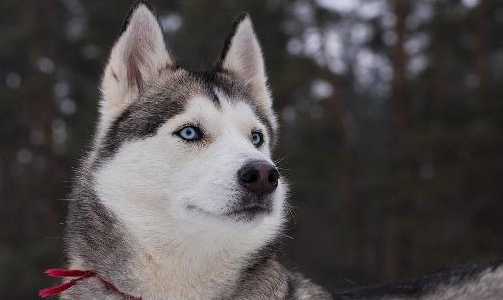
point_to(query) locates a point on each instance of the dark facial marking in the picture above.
(207, 79)
(145, 115)
(234, 88)
(140, 120)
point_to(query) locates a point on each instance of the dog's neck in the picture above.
(174, 271)
(166, 262)
(187, 274)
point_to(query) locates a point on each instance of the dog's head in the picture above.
(184, 150)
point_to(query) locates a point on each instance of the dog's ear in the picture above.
(242, 56)
(138, 56)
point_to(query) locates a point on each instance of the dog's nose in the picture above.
(258, 177)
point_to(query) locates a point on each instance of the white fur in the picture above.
(173, 196)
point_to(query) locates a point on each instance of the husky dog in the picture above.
(179, 197)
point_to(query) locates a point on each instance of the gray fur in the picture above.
(95, 238)
(475, 281)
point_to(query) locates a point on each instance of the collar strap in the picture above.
(78, 275)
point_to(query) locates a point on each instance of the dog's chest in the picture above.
(178, 277)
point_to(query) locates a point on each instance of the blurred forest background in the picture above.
(391, 113)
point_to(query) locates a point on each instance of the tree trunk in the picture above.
(480, 50)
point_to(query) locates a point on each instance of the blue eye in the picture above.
(189, 133)
(257, 138)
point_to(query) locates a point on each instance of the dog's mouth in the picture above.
(248, 213)
(246, 210)
(250, 208)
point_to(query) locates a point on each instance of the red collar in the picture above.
(78, 276)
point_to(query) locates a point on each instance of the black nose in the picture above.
(258, 177)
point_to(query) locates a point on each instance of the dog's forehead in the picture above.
(216, 86)
(181, 85)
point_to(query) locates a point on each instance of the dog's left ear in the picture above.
(137, 58)
(243, 57)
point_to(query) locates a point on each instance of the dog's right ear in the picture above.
(243, 57)
(138, 56)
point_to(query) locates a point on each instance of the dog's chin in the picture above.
(249, 209)
(247, 214)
